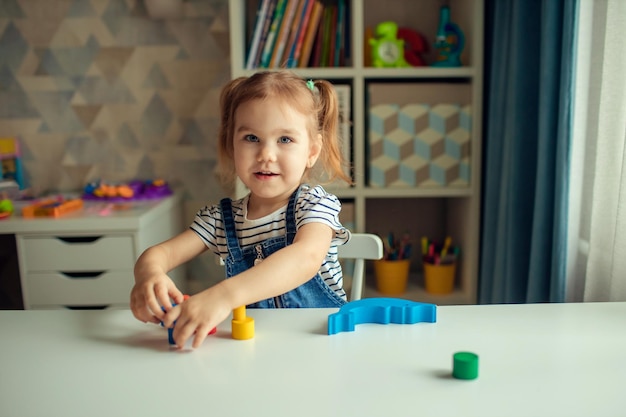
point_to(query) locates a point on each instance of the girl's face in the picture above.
(272, 150)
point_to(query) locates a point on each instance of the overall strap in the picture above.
(231, 231)
(290, 217)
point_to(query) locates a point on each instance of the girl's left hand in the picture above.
(198, 315)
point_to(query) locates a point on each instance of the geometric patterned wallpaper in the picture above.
(97, 89)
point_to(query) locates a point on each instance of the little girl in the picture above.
(279, 243)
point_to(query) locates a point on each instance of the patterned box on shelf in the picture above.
(419, 145)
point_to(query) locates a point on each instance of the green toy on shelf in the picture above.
(387, 49)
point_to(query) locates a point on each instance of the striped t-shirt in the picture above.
(314, 205)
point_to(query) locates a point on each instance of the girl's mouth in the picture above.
(265, 174)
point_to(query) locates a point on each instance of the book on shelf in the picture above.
(304, 55)
(268, 48)
(283, 33)
(347, 37)
(329, 40)
(340, 34)
(297, 32)
(316, 54)
(258, 31)
(367, 49)
(255, 59)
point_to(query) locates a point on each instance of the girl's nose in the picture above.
(267, 153)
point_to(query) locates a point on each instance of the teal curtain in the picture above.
(529, 73)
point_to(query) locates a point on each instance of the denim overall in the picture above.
(312, 294)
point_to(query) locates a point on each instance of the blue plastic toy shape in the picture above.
(381, 311)
(170, 331)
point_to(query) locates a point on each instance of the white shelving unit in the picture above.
(433, 211)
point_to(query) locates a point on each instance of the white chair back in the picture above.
(362, 246)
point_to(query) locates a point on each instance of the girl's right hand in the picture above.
(151, 295)
(154, 290)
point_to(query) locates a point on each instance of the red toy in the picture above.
(415, 45)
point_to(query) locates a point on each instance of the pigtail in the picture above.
(226, 166)
(328, 125)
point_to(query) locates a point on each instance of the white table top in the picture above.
(535, 360)
(90, 218)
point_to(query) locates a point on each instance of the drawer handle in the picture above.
(83, 274)
(101, 307)
(78, 239)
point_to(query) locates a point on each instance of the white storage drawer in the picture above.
(86, 260)
(79, 289)
(78, 253)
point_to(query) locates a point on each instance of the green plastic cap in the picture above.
(465, 365)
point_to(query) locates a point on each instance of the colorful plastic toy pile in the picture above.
(131, 191)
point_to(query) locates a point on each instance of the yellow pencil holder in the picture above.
(392, 276)
(439, 279)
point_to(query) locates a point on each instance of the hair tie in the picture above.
(311, 85)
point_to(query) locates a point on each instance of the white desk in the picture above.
(86, 257)
(535, 360)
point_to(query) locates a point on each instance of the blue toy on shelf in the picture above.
(450, 41)
(11, 162)
(381, 311)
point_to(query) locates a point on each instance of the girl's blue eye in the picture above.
(251, 138)
(284, 139)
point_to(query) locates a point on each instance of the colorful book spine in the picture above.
(314, 40)
(330, 38)
(266, 28)
(321, 51)
(311, 24)
(340, 33)
(297, 27)
(311, 35)
(258, 30)
(284, 33)
(273, 32)
(345, 41)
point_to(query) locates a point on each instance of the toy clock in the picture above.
(387, 49)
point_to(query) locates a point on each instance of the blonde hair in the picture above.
(315, 98)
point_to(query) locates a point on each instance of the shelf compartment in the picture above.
(272, 33)
(424, 16)
(415, 291)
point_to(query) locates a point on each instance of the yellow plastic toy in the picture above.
(242, 326)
